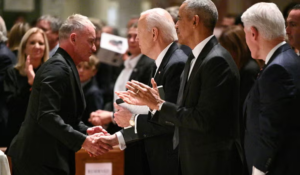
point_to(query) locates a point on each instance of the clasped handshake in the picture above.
(98, 140)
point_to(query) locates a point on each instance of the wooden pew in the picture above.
(115, 157)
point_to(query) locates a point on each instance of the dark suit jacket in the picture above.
(93, 98)
(52, 131)
(207, 114)
(272, 136)
(161, 157)
(7, 59)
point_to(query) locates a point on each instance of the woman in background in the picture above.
(15, 36)
(33, 52)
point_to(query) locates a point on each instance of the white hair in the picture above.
(205, 9)
(3, 31)
(74, 23)
(266, 18)
(156, 18)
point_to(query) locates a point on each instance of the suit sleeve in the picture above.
(146, 128)
(277, 92)
(54, 83)
(217, 83)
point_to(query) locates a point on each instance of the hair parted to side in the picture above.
(73, 23)
(54, 22)
(266, 18)
(205, 9)
(20, 66)
(16, 34)
(155, 18)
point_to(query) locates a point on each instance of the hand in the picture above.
(141, 94)
(96, 129)
(94, 146)
(122, 116)
(100, 117)
(110, 140)
(29, 71)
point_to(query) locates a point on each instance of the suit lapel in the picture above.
(205, 51)
(164, 62)
(137, 69)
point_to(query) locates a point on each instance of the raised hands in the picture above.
(122, 116)
(29, 70)
(141, 94)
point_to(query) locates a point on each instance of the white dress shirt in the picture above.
(256, 171)
(158, 61)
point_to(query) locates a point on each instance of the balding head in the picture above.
(162, 20)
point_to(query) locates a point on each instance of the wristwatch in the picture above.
(132, 120)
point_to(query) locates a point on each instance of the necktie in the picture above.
(180, 95)
(153, 70)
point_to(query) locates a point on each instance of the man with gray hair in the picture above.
(50, 25)
(157, 36)
(53, 131)
(272, 131)
(206, 114)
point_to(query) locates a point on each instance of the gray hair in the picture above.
(3, 31)
(54, 22)
(266, 18)
(155, 18)
(73, 23)
(205, 9)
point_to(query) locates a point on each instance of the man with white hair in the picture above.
(272, 131)
(206, 113)
(157, 36)
(53, 131)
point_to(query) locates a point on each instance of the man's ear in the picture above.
(73, 38)
(254, 33)
(154, 34)
(196, 20)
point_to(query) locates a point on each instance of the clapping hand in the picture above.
(100, 117)
(141, 94)
(29, 71)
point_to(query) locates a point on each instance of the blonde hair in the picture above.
(20, 66)
(15, 35)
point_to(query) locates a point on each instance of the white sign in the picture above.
(98, 169)
(114, 43)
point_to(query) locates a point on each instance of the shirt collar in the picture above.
(52, 52)
(272, 51)
(132, 61)
(161, 56)
(197, 50)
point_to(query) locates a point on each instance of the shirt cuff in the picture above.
(257, 171)
(160, 106)
(122, 144)
(135, 124)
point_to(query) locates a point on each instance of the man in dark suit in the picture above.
(170, 61)
(206, 113)
(53, 131)
(7, 59)
(293, 27)
(272, 133)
